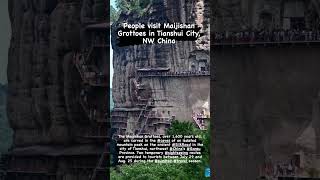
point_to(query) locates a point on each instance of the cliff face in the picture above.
(233, 15)
(44, 34)
(5, 40)
(43, 83)
(3, 94)
(57, 129)
(128, 59)
(5, 131)
(171, 96)
(267, 107)
(266, 97)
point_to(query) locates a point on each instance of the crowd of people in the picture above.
(276, 35)
(274, 170)
(181, 73)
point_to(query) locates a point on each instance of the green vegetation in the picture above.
(114, 14)
(153, 171)
(183, 128)
(149, 171)
(111, 100)
(132, 5)
(125, 6)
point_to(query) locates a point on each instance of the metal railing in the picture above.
(199, 119)
(90, 77)
(174, 74)
(248, 37)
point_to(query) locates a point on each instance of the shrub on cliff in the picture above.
(148, 171)
(132, 5)
(114, 14)
(182, 128)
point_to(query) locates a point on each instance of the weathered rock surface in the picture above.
(44, 86)
(3, 94)
(173, 96)
(5, 131)
(42, 36)
(266, 98)
(43, 82)
(264, 108)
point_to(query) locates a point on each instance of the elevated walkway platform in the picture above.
(98, 26)
(174, 74)
(266, 43)
(88, 76)
(287, 178)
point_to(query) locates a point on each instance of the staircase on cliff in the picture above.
(93, 77)
(199, 121)
(102, 164)
(147, 119)
(144, 116)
